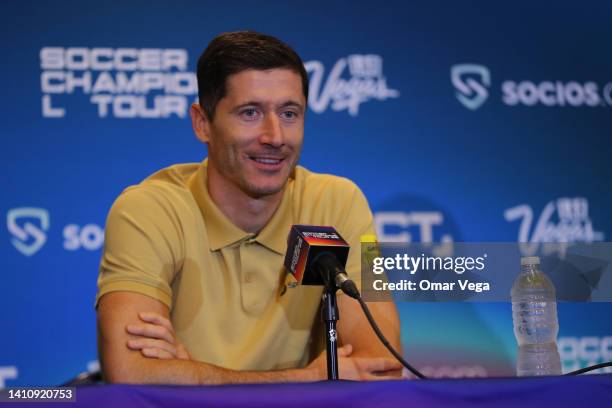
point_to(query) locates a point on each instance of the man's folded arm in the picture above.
(120, 364)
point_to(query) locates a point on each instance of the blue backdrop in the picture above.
(467, 122)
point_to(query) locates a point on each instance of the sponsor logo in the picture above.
(366, 82)
(549, 93)
(28, 225)
(7, 373)
(119, 82)
(564, 220)
(323, 235)
(471, 82)
(89, 237)
(580, 352)
(153, 83)
(407, 225)
(415, 226)
(407, 218)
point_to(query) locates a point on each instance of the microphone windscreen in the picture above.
(304, 243)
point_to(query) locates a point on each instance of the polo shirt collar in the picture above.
(222, 232)
(274, 233)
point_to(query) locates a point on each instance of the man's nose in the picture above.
(272, 131)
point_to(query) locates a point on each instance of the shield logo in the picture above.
(24, 233)
(471, 82)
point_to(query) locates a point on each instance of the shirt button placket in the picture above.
(250, 295)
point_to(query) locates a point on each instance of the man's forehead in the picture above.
(271, 85)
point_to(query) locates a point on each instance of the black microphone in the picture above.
(328, 266)
(317, 255)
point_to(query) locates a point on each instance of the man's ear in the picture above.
(200, 123)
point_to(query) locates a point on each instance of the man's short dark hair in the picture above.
(231, 53)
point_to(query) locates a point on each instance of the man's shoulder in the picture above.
(325, 199)
(165, 188)
(171, 178)
(176, 175)
(315, 193)
(323, 182)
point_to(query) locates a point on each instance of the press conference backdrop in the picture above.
(462, 121)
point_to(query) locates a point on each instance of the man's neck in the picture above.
(248, 213)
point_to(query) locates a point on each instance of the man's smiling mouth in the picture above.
(266, 160)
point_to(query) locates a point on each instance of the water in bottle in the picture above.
(534, 312)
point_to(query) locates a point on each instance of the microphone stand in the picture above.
(330, 314)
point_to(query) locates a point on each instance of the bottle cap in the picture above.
(530, 260)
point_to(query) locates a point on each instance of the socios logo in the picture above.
(28, 225)
(555, 93)
(471, 82)
(366, 82)
(89, 237)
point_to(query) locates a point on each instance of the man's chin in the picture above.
(264, 189)
(259, 185)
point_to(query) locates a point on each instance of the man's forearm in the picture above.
(152, 371)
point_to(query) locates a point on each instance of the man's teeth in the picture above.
(267, 161)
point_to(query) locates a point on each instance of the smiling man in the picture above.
(192, 288)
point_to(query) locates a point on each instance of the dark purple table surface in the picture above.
(580, 391)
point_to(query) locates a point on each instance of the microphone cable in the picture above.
(385, 342)
(350, 289)
(590, 368)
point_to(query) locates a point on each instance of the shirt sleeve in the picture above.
(143, 245)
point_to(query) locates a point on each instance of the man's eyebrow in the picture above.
(259, 104)
(247, 103)
(291, 103)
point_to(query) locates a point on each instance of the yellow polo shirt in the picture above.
(227, 289)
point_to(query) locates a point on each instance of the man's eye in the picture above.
(289, 115)
(249, 114)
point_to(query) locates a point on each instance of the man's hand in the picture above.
(157, 338)
(358, 368)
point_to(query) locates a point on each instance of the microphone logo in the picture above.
(332, 335)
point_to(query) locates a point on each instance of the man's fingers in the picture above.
(139, 344)
(151, 331)
(397, 374)
(371, 365)
(155, 318)
(372, 377)
(156, 353)
(345, 350)
(182, 353)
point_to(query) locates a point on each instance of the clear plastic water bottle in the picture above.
(534, 312)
